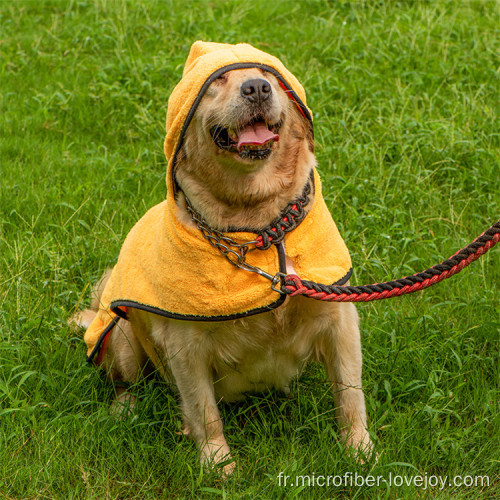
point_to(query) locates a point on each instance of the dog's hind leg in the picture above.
(124, 359)
(124, 362)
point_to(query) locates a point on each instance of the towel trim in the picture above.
(101, 342)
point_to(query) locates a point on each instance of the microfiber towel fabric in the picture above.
(169, 269)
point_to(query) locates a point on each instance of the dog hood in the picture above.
(205, 63)
(169, 269)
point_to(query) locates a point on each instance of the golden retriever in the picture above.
(234, 183)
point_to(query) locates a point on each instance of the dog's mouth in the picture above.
(252, 141)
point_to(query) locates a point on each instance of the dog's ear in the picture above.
(308, 130)
(302, 127)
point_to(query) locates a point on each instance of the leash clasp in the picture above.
(234, 252)
(273, 279)
(276, 279)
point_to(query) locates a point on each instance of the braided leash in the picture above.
(293, 285)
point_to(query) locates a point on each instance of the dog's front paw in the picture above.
(358, 444)
(215, 454)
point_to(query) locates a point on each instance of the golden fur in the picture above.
(211, 361)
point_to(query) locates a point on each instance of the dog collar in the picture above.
(290, 217)
(273, 234)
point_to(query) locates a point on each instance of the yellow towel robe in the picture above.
(169, 269)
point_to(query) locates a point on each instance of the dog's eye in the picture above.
(221, 78)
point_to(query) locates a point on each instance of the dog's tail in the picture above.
(85, 317)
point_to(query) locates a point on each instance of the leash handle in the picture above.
(294, 286)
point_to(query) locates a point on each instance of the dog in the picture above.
(246, 153)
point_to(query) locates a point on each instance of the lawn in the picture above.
(405, 98)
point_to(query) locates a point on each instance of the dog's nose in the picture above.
(256, 90)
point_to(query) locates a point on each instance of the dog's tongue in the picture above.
(256, 134)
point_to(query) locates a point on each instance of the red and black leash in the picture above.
(293, 285)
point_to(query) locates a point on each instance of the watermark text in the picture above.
(351, 479)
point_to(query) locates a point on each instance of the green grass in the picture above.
(406, 103)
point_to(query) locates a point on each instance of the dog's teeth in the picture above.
(257, 147)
